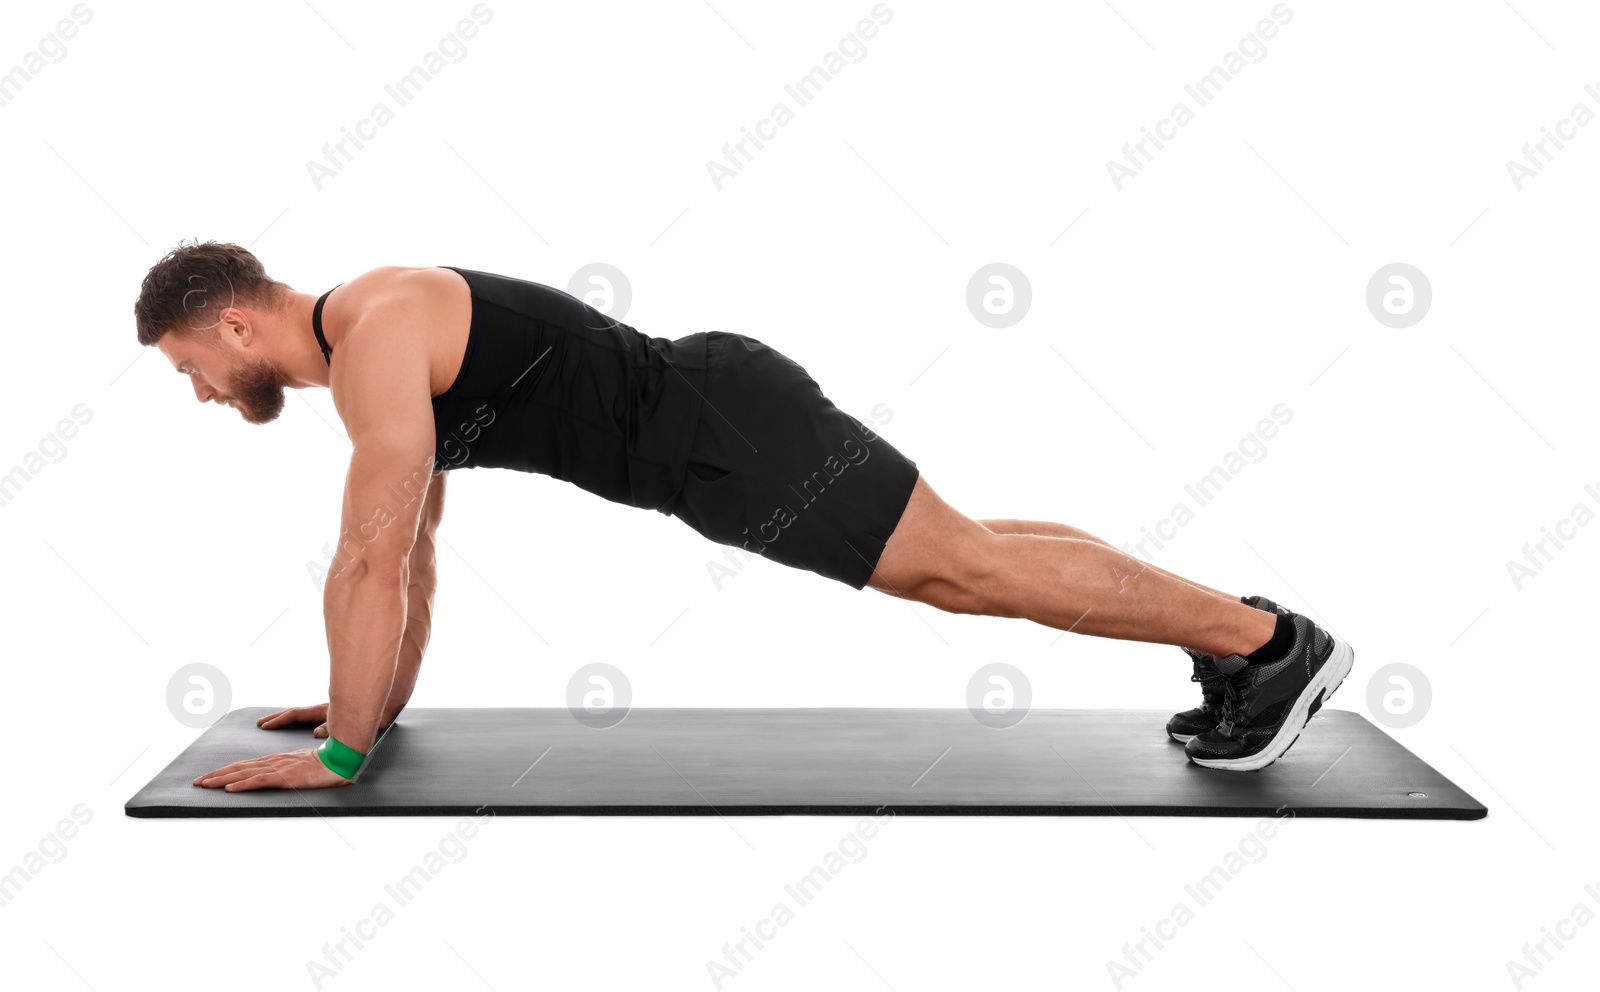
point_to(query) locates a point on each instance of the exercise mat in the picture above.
(709, 762)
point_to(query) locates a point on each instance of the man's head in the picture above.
(212, 309)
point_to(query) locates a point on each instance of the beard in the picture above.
(256, 391)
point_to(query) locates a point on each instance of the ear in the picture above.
(233, 325)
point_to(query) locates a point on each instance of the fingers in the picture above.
(272, 721)
(264, 780)
(321, 731)
(235, 772)
(241, 770)
(292, 715)
(223, 776)
(225, 770)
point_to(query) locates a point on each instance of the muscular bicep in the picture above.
(381, 388)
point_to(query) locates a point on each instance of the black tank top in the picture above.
(549, 384)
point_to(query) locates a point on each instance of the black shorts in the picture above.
(777, 469)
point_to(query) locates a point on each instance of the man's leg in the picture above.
(941, 557)
(1044, 528)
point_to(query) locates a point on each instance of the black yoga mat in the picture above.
(693, 762)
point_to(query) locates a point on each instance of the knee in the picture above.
(952, 597)
(964, 582)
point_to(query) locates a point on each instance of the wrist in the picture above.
(344, 760)
(340, 758)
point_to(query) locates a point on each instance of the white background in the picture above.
(1226, 278)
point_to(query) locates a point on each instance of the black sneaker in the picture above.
(1202, 718)
(1265, 705)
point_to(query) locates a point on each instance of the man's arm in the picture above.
(419, 601)
(382, 392)
(419, 624)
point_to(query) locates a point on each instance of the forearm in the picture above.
(364, 607)
(419, 626)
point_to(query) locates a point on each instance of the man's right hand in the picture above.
(317, 714)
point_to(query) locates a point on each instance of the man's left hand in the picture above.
(291, 770)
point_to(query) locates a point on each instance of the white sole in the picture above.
(1182, 738)
(1326, 682)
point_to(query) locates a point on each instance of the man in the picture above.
(440, 368)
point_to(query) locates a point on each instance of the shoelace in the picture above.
(1209, 678)
(1235, 690)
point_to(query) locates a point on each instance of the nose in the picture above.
(202, 392)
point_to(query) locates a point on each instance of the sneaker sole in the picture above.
(1181, 738)
(1319, 690)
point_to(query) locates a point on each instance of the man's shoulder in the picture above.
(388, 283)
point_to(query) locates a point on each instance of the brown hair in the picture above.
(186, 290)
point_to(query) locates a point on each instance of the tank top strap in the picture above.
(316, 325)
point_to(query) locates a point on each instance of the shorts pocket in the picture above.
(707, 473)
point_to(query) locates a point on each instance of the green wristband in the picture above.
(340, 758)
